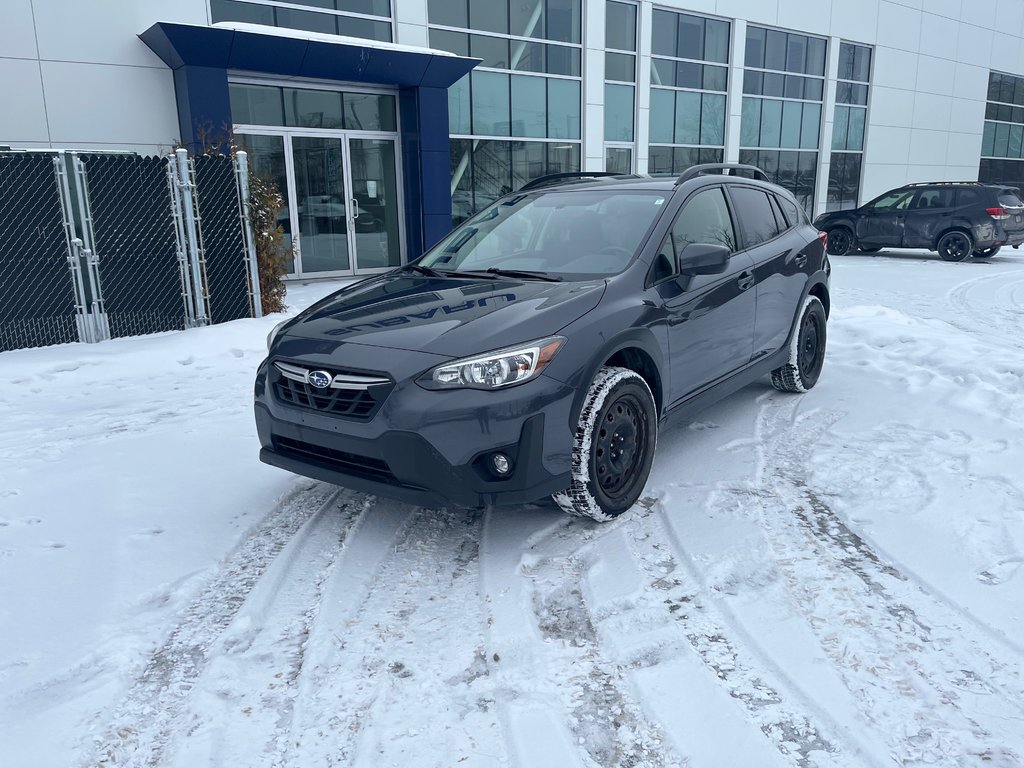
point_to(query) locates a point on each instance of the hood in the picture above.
(446, 316)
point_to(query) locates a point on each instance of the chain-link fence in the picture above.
(94, 246)
(37, 288)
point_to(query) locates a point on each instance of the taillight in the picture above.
(997, 213)
(823, 239)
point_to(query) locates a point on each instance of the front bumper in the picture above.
(429, 447)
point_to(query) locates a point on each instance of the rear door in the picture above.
(710, 318)
(880, 222)
(929, 213)
(780, 262)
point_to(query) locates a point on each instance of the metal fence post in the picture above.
(95, 313)
(242, 168)
(191, 236)
(181, 247)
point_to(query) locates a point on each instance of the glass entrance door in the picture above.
(321, 204)
(342, 209)
(376, 213)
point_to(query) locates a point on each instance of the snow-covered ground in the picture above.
(833, 579)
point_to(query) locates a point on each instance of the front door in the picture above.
(342, 212)
(880, 222)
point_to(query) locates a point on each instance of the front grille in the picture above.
(350, 463)
(360, 401)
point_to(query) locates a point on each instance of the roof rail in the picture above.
(554, 178)
(705, 168)
(958, 183)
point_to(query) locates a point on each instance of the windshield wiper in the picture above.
(524, 273)
(420, 270)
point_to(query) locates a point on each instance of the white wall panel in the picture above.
(938, 35)
(899, 26)
(894, 67)
(935, 75)
(966, 116)
(888, 145)
(964, 148)
(970, 82)
(806, 15)
(755, 11)
(893, 107)
(1010, 16)
(1006, 52)
(948, 8)
(17, 33)
(931, 111)
(23, 117)
(857, 22)
(411, 34)
(928, 147)
(104, 104)
(974, 45)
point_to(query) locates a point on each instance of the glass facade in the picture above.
(620, 69)
(370, 19)
(848, 127)
(689, 82)
(518, 115)
(783, 91)
(1002, 145)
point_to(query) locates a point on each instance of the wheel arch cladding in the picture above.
(819, 290)
(637, 359)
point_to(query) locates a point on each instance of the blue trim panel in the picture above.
(200, 57)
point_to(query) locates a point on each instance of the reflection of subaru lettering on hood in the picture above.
(440, 315)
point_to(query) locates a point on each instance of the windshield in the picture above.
(578, 234)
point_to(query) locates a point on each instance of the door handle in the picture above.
(355, 208)
(746, 280)
(801, 260)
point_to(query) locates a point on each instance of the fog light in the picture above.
(501, 464)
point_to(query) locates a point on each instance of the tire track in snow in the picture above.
(145, 721)
(804, 735)
(400, 631)
(998, 319)
(906, 655)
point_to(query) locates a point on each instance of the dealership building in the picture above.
(383, 121)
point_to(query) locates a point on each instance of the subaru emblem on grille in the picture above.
(319, 379)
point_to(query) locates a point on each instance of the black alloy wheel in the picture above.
(840, 241)
(955, 246)
(986, 253)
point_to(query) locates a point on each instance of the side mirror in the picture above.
(703, 259)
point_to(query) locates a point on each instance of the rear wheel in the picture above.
(955, 246)
(806, 351)
(869, 248)
(840, 241)
(613, 448)
(986, 253)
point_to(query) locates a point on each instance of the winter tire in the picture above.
(986, 253)
(955, 246)
(806, 350)
(613, 448)
(840, 241)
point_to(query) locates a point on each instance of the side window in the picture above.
(967, 196)
(894, 201)
(780, 217)
(791, 209)
(704, 219)
(934, 198)
(756, 218)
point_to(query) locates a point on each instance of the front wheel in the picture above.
(613, 448)
(986, 253)
(806, 351)
(955, 246)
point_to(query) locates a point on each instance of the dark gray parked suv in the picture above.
(540, 346)
(957, 219)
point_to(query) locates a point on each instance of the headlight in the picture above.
(273, 333)
(494, 369)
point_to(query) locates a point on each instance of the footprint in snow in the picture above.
(1002, 571)
(187, 361)
(237, 353)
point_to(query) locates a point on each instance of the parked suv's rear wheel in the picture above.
(986, 253)
(840, 241)
(955, 246)
(613, 447)
(806, 350)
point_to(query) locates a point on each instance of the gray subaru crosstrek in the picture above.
(538, 348)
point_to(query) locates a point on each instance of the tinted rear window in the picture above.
(1010, 200)
(756, 219)
(793, 211)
